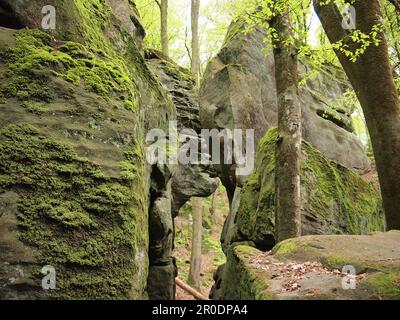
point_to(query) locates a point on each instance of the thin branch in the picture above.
(197, 295)
(186, 46)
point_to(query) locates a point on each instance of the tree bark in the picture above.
(372, 79)
(164, 27)
(195, 260)
(213, 207)
(288, 147)
(195, 62)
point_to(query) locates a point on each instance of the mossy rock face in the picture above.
(237, 281)
(312, 267)
(335, 200)
(180, 83)
(73, 115)
(74, 17)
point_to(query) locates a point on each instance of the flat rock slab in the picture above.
(317, 267)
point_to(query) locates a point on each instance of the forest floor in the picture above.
(212, 255)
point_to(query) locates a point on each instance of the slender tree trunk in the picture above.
(213, 207)
(372, 79)
(195, 260)
(288, 147)
(195, 65)
(164, 27)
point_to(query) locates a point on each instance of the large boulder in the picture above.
(238, 91)
(315, 267)
(188, 180)
(335, 200)
(73, 176)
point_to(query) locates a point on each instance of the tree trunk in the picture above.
(372, 79)
(195, 65)
(213, 207)
(195, 260)
(164, 27)
(288, 147)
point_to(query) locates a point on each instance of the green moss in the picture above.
(129, 105)
(241, 281)
(245, 250)
(235, 28)
(338, 262)
(73, 217)
(34, 107)
(76, 50)
(87, 220)
(284, 247)
(359, 203)
(256, 215)
(72, 214)
(95, 17)
(386, 284)
(210, 244)
(73, 61)
(335, 196)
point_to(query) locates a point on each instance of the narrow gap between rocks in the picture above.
(215, 210)
(7, 20)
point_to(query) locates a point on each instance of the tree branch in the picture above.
(190, 290)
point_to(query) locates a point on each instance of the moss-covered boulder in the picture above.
(73, 177)
(74, 18)
(315, 267)
(335, 200)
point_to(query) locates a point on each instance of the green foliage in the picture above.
(73, 61)
(211, 244)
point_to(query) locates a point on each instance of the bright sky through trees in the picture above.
(215, 18)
